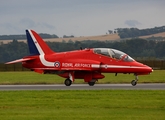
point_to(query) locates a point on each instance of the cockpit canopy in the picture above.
(112, 53)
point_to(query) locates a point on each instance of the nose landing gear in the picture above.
(134, 82)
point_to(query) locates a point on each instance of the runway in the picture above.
(153, 86)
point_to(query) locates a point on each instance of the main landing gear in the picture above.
(92, 82)
(134, 82)
(67, 82)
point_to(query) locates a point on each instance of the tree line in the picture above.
(135, 32)
(136, 48)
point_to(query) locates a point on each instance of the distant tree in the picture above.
(110, 31)
(68, 36)
(115, 32)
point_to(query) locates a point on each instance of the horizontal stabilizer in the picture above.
(20, 60)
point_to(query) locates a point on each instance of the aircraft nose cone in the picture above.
(144, 69)
(149, 69)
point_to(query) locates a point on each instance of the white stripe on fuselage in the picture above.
(95, 66)
(113, 66)
(119, 66)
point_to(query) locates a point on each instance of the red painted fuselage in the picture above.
(87, 64)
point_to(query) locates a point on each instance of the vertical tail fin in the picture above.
(36, 44)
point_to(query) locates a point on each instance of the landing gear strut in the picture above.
(134, 82)
(68, 82)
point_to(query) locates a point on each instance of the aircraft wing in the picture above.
(77, 69)
(44, 70)
(20, 60)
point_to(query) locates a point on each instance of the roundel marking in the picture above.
(57, 64)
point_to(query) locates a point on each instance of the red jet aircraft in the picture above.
(87, 64)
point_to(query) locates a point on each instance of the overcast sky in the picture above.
(79, 17)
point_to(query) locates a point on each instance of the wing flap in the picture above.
(77, 69)
(41, 70)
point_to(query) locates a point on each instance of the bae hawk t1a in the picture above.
(87, 64)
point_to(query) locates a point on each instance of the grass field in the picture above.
(83, 104)
(157, 76)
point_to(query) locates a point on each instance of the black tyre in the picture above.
(68, 82)
(133, 82)
(91, 83)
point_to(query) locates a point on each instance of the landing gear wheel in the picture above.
(91, 83)
(68, 82)
(133, 82)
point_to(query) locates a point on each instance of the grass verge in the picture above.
(83, 104)
(158, 76)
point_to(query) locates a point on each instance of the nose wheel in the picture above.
(134, 82)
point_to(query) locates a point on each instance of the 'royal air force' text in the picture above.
(76, 65)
